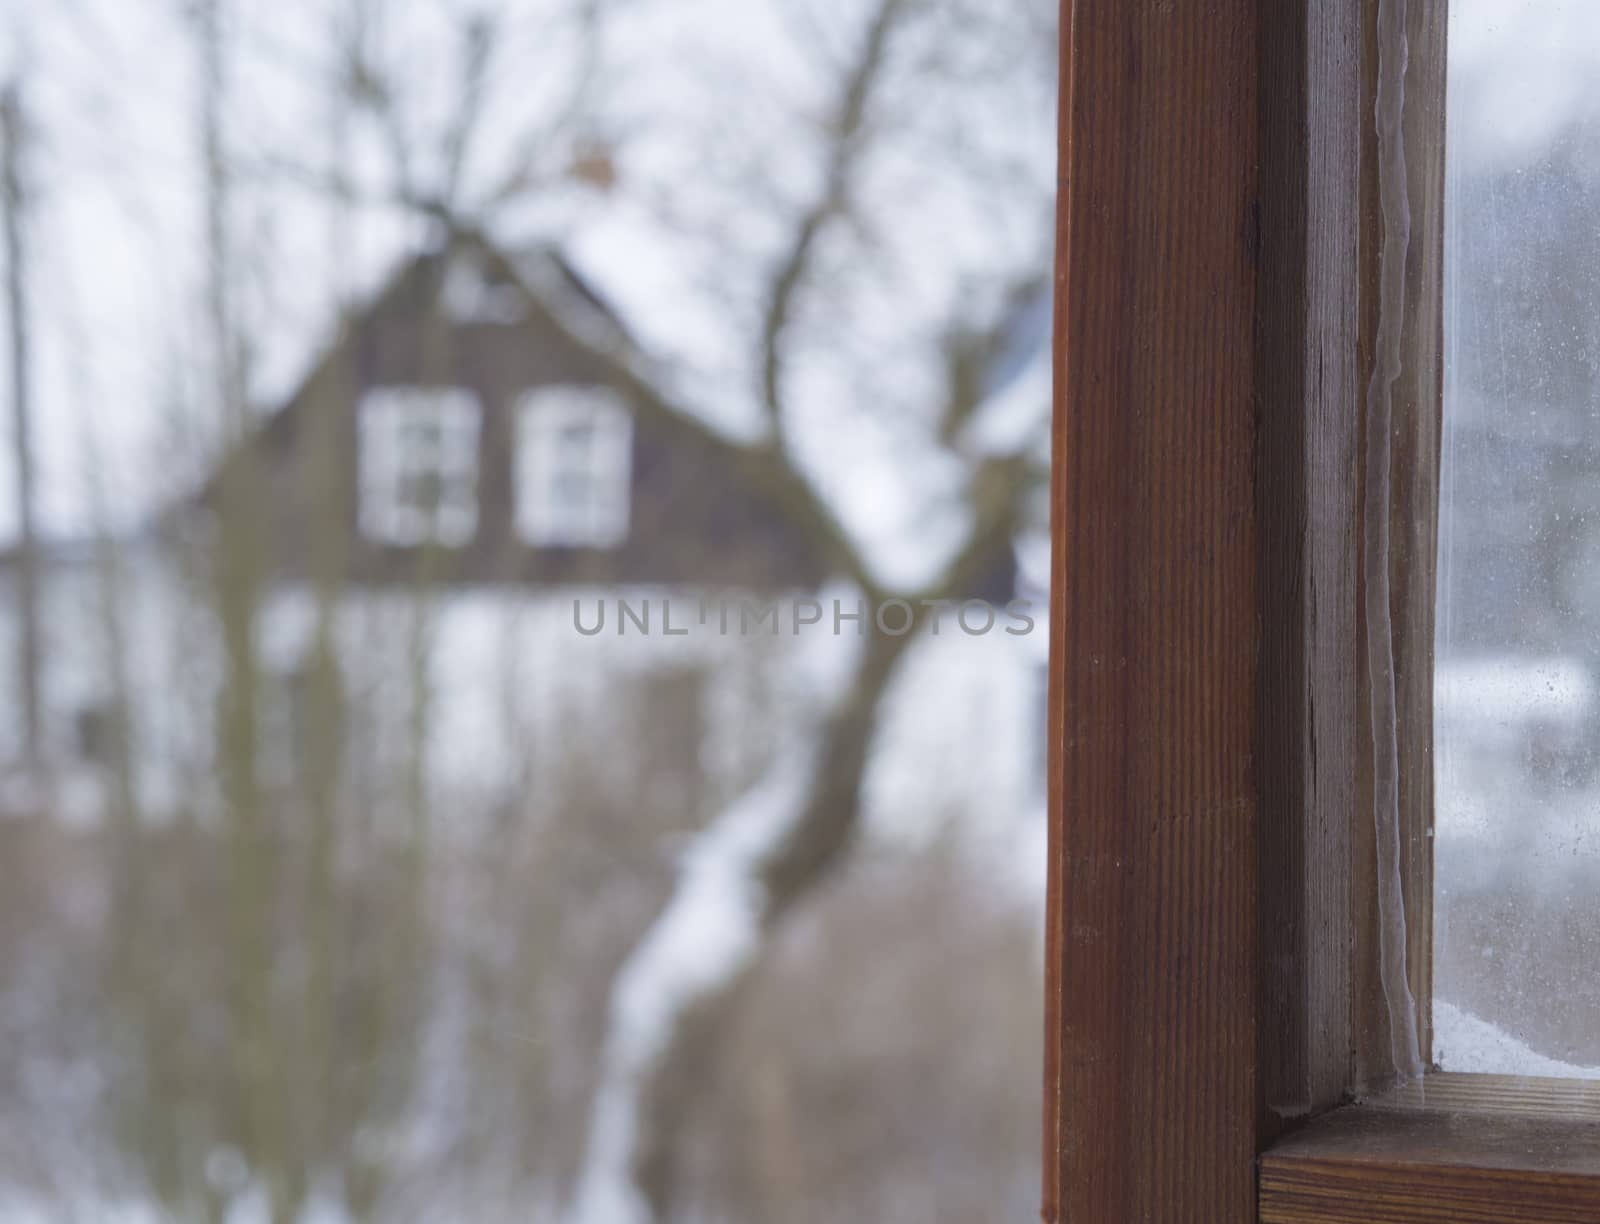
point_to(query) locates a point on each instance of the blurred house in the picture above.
(453, 486)
(449, 427)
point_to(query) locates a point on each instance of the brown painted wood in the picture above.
(1155, 697)
(1391, 1166)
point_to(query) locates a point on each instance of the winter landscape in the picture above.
(522, 603)
(360, 354)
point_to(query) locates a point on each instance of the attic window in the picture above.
(470, 295)
(419, 466)
(574, 467)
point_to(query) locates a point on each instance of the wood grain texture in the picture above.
(1212, 916)
(1152, 937)
(1413, 533)
(1311, 393)
(1387, 1166)
(1500, 1095)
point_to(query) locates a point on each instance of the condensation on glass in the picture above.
(1517, 690)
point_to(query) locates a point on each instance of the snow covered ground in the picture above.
(1462, 1042)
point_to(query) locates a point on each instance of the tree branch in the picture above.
(477, 45)
(832, 201)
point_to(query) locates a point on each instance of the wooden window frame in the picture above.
(1213, 993)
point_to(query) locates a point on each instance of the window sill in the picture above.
(1453, 1149)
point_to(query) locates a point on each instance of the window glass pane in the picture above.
(419, 465)
(1517, 705)
(574, 467)
(473, 746)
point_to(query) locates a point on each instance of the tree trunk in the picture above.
(737, 881)
(13, 121)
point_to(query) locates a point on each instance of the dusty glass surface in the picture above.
(1517, 698)
(511, 701)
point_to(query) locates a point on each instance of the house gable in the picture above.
(447, 331)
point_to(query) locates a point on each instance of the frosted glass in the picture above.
(1517, 687)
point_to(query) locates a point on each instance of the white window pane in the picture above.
(574, 467)
(419, 465)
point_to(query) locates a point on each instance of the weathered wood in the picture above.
(1311, 391)
(1413, 531)
(1153, 994)
(1324, 1017)
(1391, 1166)
(1504, 1095)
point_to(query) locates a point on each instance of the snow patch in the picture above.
(1462, 1042)
(708, 934)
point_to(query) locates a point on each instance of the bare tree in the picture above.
(769, 850)
(289, 1043)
